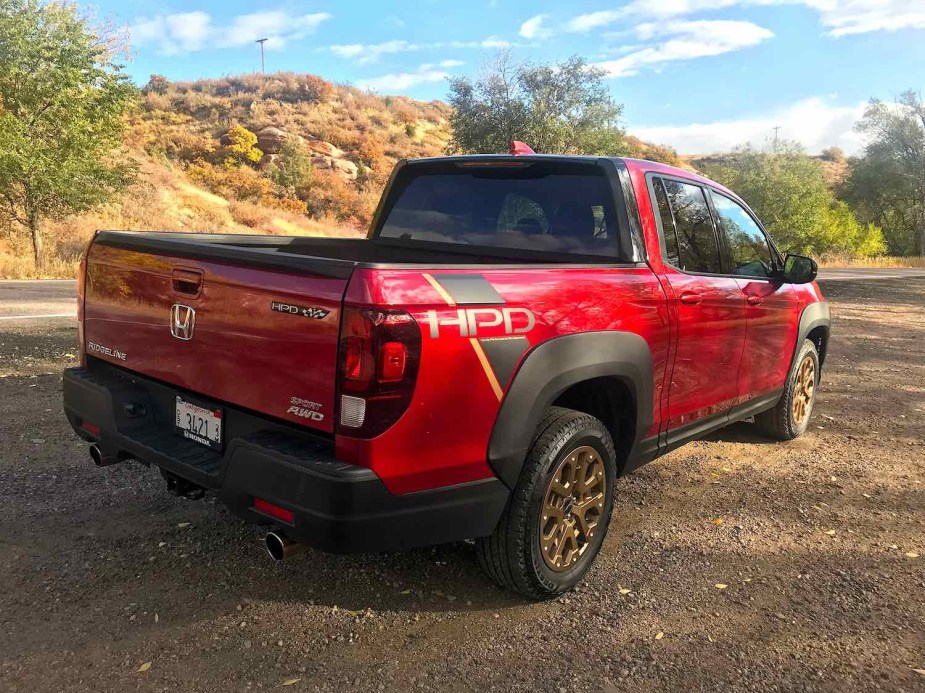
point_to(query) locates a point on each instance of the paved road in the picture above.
(54, 299)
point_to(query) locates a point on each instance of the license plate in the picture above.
(202, 425)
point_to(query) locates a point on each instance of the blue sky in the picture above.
(700, 75)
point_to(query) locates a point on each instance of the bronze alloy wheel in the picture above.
(572, 508)
(804, 391)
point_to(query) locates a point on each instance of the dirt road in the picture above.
(734, 564)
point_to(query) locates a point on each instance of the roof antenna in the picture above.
(520, 149)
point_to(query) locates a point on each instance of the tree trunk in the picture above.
(35, 232)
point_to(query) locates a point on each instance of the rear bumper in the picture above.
(337, 507)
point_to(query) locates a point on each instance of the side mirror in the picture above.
(799, 269)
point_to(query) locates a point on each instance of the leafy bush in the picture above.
(292, 169)
(240, 147)
(231, 183)
(157, 84)
(788, 191)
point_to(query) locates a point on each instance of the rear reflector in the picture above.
(352, 411)
(90, 428)
(267, 508)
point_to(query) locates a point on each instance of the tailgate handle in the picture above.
(187, 282)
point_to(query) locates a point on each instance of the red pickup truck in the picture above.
(514, 334)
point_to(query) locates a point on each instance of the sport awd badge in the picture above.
(304, 311)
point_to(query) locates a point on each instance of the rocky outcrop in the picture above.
(344, 167)
(270, 139)
(325, 156)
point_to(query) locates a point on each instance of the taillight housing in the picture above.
(378, 365)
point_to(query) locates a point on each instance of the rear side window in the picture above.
(693, 224)
(664, 212)
(541, 207)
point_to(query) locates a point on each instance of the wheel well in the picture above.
(819, 336)
(610, 400)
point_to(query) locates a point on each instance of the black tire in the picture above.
(512, 556)
(780, 422)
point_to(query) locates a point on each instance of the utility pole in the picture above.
(776, 131)
(263, 64)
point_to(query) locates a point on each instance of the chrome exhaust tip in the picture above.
(281, 547)
(101, 460)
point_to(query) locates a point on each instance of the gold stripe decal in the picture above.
(486, 366)
(483, 359)
(440, 290)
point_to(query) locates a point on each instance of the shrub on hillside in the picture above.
(292, 88)
(329, 194)
(157, 84)
(292, 169)
(231, 183)
(240, 147)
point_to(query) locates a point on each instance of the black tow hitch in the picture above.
(179, 486)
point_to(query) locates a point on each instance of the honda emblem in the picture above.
(182, 321)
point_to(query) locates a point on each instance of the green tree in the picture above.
(240, 147)
(556, 109)
(292, 169)
(62, 105)
(787, 190)
(886, 184)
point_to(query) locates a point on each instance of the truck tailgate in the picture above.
(258, 337)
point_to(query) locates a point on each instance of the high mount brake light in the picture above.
(379, 355)
(519, 148)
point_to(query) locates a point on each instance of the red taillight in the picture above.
(379, 354)
(268, 508)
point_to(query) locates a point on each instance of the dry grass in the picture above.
(883, 261)
(163, 199)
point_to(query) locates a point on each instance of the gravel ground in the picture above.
(733, 564)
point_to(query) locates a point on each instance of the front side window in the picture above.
(697, 248)
(748, 246)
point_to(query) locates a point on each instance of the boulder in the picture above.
(319, 147)
(270, 139)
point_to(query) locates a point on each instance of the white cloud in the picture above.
(276, 25)
(365, 54)
(402, 81)
(593, 20)
(188, 32)
(685, 41)
(533, 28)
(184, 32)
(839, 17)
(863, 16)
(814, 122)
(368, 53)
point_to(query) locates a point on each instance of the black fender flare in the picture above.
(814, 315)
(552, 367)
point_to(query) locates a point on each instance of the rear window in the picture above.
(538, 208)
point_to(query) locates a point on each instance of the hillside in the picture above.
(282, 154)
(324, 152)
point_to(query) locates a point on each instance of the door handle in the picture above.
(690, 297)
(754, 300)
